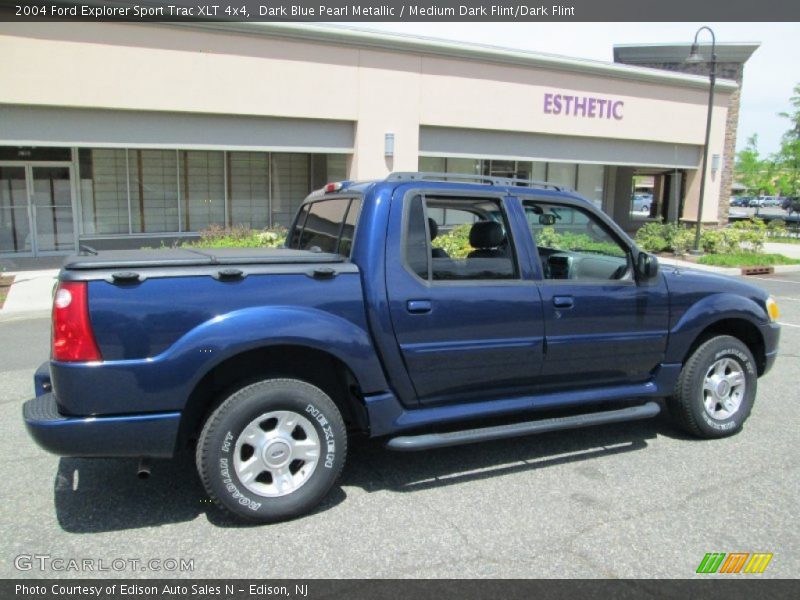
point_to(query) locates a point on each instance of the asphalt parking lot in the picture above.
(624, 500)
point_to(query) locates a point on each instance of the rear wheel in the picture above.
(272, 450)
(716, 388)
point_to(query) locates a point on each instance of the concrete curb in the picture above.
(733, 271)
(786, 269)
(674, 262)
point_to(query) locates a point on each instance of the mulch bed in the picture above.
(5, 285)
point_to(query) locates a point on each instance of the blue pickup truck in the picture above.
(428, 309)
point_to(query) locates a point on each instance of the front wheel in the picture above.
(272, 450)
(716, 388)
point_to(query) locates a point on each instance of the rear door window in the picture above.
(458, 239)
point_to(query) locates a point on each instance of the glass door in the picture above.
(51, 202)
(15, 223)
(36, 209)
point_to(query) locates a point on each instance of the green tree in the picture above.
(787, 159)
(753, 171)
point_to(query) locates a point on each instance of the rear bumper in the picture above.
(151, 435)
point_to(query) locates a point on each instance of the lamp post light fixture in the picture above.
(388, 144)
(696, 57)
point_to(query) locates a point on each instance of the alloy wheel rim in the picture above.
(276, 453)
(724, 388)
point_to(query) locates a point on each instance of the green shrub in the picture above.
(239, 237)
(652, 237)
(752, 234)
(740, 236)
(549, 237)
(776, 227)
(682, 239)
(455, 242)
(662, 237)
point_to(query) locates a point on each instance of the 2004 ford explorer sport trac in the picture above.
(264, 361)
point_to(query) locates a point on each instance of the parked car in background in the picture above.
(771, 201)
(791, 204)
(741, 201)
(642, 202)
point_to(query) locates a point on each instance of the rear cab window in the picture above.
(326, 226)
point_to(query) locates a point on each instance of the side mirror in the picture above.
(548, 219)
(646, 266)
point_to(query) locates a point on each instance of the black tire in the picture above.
(688, 404)
(222, 436)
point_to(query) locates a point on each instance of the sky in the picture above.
(769, 75)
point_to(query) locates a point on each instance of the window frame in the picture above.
(305, 209)
(603, 222)
(499, 198)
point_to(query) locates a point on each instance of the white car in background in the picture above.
(642, 202)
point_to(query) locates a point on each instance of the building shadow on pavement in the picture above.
(99, 495)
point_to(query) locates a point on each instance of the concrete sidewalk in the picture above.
(31, 292)
(788, 250)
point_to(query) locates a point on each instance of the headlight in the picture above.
(772, 309)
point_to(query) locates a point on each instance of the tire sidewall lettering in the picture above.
(226, 477)
(327, 431)
(742, 358)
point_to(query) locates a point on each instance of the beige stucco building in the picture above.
(121, 134)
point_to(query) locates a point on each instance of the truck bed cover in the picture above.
(184, 257)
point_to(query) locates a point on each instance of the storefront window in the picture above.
(469, 166)
(248, 189)
(562, 174)
(432, 164)
(202, 189)
(290, 185)
(173, 191)
(590, 183)
(336, 165)
(538, 171)
(154, 190)
(104, 190)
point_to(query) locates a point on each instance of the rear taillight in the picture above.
(73, 339)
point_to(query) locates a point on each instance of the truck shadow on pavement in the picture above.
(99, 495)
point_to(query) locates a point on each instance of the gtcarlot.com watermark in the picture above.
(60, 564)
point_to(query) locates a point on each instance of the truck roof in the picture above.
(461, 181)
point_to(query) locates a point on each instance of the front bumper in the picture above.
(143, 435)
(772, 334)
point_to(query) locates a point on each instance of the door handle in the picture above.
(418, 306)
(563, 301)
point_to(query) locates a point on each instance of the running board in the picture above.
(409, 443)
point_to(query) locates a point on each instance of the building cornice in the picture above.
(362, 38)
(730, 52)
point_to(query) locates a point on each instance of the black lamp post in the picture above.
(695, 57)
